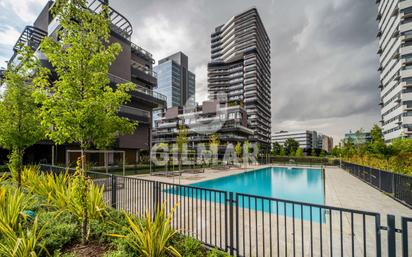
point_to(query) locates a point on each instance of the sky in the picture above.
(323, 52)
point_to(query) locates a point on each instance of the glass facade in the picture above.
(170, 82)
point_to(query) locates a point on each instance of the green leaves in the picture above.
(151, 237)
(19, 113)
(81, 106)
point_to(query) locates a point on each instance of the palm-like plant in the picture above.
(151, 237)
(72, 193)
(23, 242)
(13, 202)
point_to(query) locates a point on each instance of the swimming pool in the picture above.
(294, 184)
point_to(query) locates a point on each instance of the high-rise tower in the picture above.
(175, 80)
(240, 69)
(395, 67)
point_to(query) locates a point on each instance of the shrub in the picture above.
(188, 247)
(151, 237)
(23, 242)
(119, 253)
(13, 203)
(62, 230)
(75, 194)
(114, 222)
(217, 253)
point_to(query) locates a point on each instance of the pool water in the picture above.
(294, 184)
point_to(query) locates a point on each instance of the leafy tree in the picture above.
(214, 145)
(181, 141)
(276, 148)
(336, 151)
(282, 152)
(238, 149)
(377, 145)
(401, 145)
(299, 152)
(19, 114)
(80, 105)
(322, 153)
(313, 152)
(291, 145)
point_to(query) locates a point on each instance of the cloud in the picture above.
(323, 52)
(26, 10)
(8, 35)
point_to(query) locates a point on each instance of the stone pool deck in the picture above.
(341, 189)
(264, 234)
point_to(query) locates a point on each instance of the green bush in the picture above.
(62, 230)
(119, 253)
(188, 246)
(217, 253)
(114, 222)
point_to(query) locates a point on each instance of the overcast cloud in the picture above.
(323, 51)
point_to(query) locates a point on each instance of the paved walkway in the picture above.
(345, 190)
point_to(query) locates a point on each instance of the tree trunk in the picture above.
(16, 159)
(85, 218)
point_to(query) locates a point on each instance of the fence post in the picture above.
(380, 179)
(378, 235)
(231, 227)
(114, 191)
(393, 184)
(156, 197)
(405, 238)
(391, 236)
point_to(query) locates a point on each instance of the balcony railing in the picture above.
(31, 36)
(139, 88)
(142, 52)
(119, 25)
(134, 111)
(145, 70)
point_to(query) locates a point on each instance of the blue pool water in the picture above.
(293, 184)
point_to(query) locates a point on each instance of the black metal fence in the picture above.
(250, 225)
(396, 185)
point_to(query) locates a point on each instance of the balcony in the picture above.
(120, 24)
(142, 73)
(142, 92)
(141, 52)
(31, 36)
(135, 113)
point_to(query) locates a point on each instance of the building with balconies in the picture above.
(240, 69)
(395, 67)
(133, 64)
(229, 123)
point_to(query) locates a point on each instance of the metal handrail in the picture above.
(139, 88)
(145, 70)
(141, 50)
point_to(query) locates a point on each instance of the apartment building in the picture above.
(228, 122)
(134, 64)
(240, 69)
(395, 66)
(307, 139)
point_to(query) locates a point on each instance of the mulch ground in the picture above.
(92, 249)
